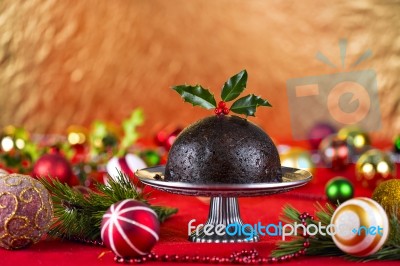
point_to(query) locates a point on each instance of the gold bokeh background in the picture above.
(71, 62)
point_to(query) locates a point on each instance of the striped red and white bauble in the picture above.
(130, 228)
(361, 226)
(128, 164)
(3, 172)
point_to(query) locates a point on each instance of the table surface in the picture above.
(173, 239)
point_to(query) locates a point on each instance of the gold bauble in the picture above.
(357, 139)
(13, 138)
(374, 167)
(77, 134)
(387, 194)
(297, 158)
(361, 227)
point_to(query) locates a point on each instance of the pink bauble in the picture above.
(318, 132)
(130, 228)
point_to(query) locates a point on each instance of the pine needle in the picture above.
(321, 245)
(78, 215)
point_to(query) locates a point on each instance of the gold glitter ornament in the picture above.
(374, 167)
(361, 227)
(387, 194)
(357, 139)
(26, 211)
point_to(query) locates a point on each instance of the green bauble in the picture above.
(151, 157)
(339, 189)
(396, 143)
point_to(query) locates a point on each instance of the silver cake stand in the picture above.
(224, 207)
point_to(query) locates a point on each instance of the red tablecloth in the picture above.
(174, 231)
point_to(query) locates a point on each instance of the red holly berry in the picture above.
(222, 104)
(218, 111)
(226, 111)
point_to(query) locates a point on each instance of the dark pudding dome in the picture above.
(223, 149)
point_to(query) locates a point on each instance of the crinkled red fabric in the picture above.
(174, 231)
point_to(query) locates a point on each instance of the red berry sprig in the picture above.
(221, 109)
(242, 257)
(303, 218)
(233, 87)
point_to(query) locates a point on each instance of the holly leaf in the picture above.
(234, 86)
(196, 95)
(247, 105)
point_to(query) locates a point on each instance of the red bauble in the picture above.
(165, 139)
(171, 138)
(130, 228)
(334, 153)
(80, 153)
(53, 166)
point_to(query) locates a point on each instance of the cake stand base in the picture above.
(224, 211)
(224, 208)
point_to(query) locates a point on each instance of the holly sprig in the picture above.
(231, 90)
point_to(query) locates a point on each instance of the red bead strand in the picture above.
(242, 257)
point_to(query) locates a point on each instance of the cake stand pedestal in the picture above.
(224, 207)
(225, 211)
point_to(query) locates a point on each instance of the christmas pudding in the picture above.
(221, 148)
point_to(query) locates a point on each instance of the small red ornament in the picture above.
(80, 153)
(53, 166)
(334, 153)
(165, 139)
(161, 137)
(171, 138)
(130, 228)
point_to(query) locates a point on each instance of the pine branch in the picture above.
(164, 212)
(78, 215)
(321, 245)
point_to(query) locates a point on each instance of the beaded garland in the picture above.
(242, 257)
